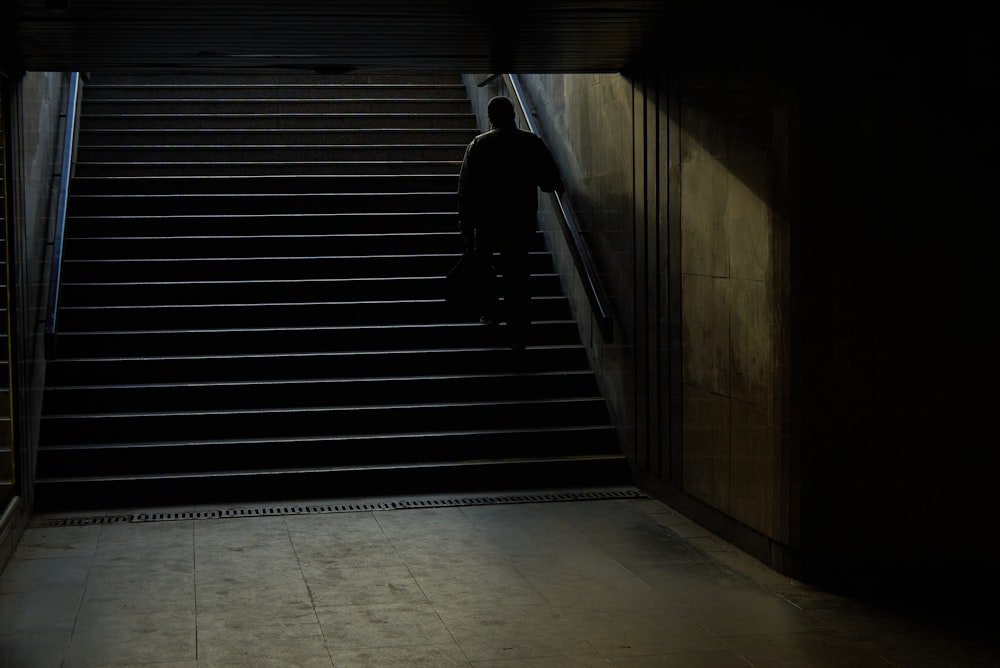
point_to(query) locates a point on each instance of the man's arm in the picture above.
(549, 179)
(466, 200)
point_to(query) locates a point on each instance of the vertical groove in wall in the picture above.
(8, 471)
(657, 274)
(653, 271)
(19, 385)
(662, 284)
(656, 256)
(788, 498)
(673, 274)
(639, 274)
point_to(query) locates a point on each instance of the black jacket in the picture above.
(498, 185)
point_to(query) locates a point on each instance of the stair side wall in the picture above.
(37, 102)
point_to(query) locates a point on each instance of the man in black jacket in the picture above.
(498, 203)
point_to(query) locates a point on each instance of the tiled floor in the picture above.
(613, 582)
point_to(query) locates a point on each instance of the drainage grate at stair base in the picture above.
(52, 522)
(263, 511)
(390, 504)
(352, 507)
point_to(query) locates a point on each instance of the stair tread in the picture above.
(311, 146)
(334, 380)
(272, 177)
(287, 114)
(332, 408)
(167, 444)
(294, 281)
(348, 467)
(330, 328)
(351, 353)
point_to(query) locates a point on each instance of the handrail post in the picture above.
(578, 246)
(62, 204)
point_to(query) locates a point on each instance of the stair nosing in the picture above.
(262, 216)
(275, 281)
(322, 381)
(307, 328)
(270, 304)
(272, 472)
(324, 409)
(152, 445)
(322, 147)
(284, 355)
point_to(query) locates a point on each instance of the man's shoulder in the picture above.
(490, 135)
(479, 139)
(505, 135)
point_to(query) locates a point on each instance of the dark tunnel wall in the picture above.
(798, 243)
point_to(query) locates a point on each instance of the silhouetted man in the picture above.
(498, 203)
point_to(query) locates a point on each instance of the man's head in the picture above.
(501, 112)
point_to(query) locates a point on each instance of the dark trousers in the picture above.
(510, 257)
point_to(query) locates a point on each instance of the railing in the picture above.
(65, 172)
(582, 258)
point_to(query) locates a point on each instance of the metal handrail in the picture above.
(596, 294)
(62, 203)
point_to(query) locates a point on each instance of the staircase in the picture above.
(252, 306)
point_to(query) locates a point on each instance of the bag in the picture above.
(471, 285)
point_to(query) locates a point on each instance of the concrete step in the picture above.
(235, 485)
(257, 119)
(267, 268)
(282, 184)
(301, 351)
(217, 168)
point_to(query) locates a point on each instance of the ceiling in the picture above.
(443, 35)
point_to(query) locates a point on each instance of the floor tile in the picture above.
(446, 551)
(721, 659)
(27, 575)
(643, 632)
(585, 661)
(747, 610)
(601, 518)
(245, 605)
(245, 533)
(58, 542)
(598, 593)
(490, 585)
(382, 625)
(531, 520)
(526, 541)
(425, 521)
(429, 656)
(337, 526)
(331, 585)
(277, 564)
(265, 644)
(52, 609)
(155, 544)
(824, 649)
(38, 650)
(667, 517)
(133, 639)
(691, 581)
(345, 551)
(646, 545)
(491, 633)
(127, 589)
(584, 562)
